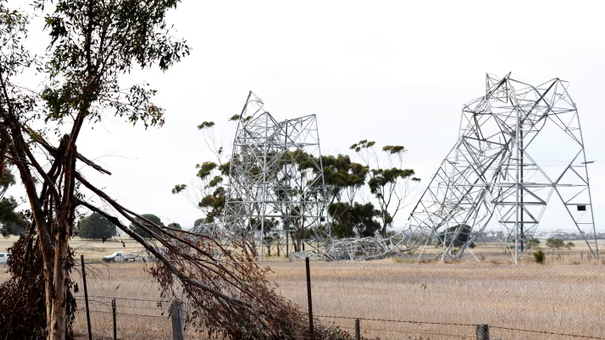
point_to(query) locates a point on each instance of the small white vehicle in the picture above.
(118, 256)
(4, 257)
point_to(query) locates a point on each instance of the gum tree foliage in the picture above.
(533, 243)
(175, 229)
(92, 44)
(28, 283)
(350, 220)
(209, 195)
(174, 225)
(198, 222)
(12, 222)
(12, 30)
(555, 243)
(388, 181)
(304, 186)
(344, 179)
(135, 226)
(96, 226)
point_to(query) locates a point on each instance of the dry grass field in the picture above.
(92, 250)
(563, 296)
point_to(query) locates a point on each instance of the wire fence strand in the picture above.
(392, 300)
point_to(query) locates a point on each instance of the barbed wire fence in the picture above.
(156, 324)
(357, 310)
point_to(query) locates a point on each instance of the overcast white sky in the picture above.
(396, 72)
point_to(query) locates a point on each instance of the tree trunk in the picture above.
(384, 231)
(294, 242)
(65, 216)
(58, 314)
(48, 293)
(298, 244)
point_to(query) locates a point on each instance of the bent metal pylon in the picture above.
(519, 146)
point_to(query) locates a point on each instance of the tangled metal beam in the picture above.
(519, 146)
(270, 186)
(498, 168)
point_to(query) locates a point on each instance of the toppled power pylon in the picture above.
(276, 179)
(519, 146)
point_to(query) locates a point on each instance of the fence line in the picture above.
(399, 321)
(546, 332)
(120, 298)
(451, 324)
(319, 317)
(99, 301)
(462, 336)
(121, 313)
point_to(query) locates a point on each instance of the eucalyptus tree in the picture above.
(92, 45)
(209, 194)
(135, 226)
(96, 226)
(343, 178)
(12, 222)
(389, 181)
(354, 220)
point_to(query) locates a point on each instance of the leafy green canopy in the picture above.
(174, 225)
(350, 220)
(388, 180)
(212, 175)
(96, 227)
(199, 222)
(153, 218)
(92, 44)
(12, 222)
(89, 55)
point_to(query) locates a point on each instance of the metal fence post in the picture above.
(178, 320)
(113, 311)
(357, 330)
(310, 300)
(482, 332)
(86, 296)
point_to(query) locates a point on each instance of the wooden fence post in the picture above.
(482, 332)
(309, 299)
(86, 296)
(178, 320)
(115, 326)
(357, 330)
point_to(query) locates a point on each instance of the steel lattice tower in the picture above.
(276, 176)
(498, 168)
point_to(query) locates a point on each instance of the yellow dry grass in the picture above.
(563, 296)
(92, 250)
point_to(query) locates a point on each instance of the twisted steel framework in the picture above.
(500, 166)
(268, 187)
(496, 168)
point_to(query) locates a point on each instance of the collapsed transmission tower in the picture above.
(276, 180)
(519, 146)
